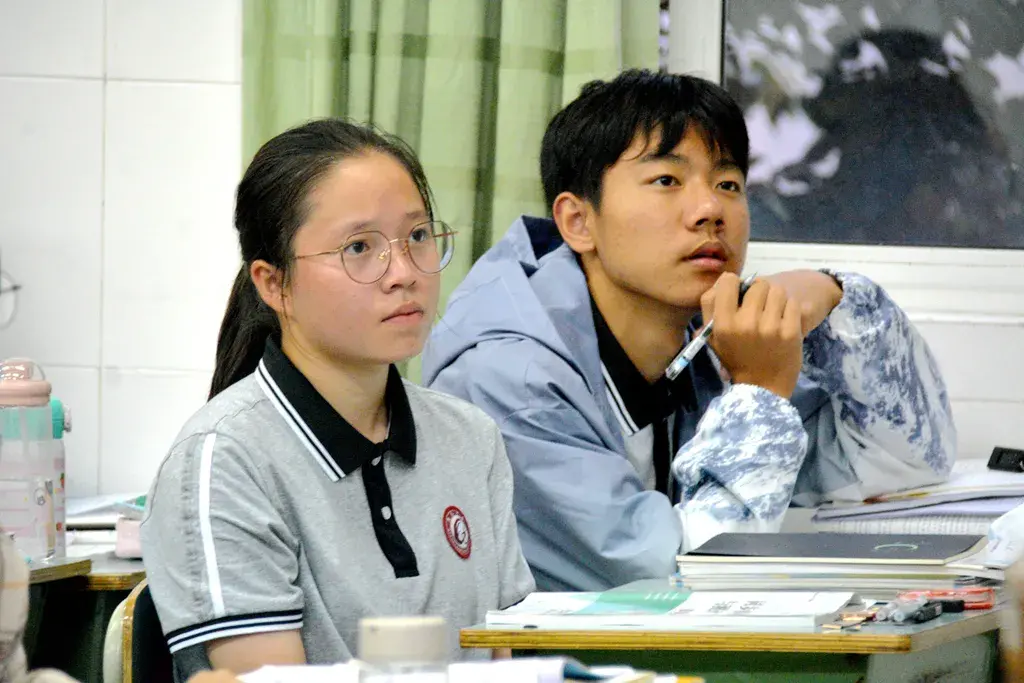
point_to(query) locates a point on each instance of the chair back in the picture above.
(146, 657)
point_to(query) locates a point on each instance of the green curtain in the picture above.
(470, 84)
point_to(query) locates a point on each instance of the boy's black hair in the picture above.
(591, 132)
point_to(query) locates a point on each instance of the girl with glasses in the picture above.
(316, 487)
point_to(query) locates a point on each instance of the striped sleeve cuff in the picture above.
(233, 626)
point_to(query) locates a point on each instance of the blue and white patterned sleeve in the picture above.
(738, 471)
(893, 424)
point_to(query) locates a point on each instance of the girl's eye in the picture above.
(419, 235)
(358, 248)
(665, 181)
(730, 186)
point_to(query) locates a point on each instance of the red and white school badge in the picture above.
(456, 529)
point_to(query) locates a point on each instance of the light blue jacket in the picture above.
(870, 415)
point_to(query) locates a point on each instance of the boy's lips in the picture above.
(710, 250)
(710, 257)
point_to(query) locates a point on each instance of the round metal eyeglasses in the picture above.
(366, 256)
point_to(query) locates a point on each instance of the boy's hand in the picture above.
(759, 342)
(816, 294)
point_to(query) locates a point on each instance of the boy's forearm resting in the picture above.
(893, 418)
(738, 472)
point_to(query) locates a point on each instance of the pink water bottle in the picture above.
(31, 462)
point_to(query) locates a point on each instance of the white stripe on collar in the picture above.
(618, 404)
(297, 424)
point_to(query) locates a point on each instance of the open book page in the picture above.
(970, 480)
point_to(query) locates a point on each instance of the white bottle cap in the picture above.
(387, 640)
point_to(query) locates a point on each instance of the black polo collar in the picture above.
(336, 445)
(636, 402)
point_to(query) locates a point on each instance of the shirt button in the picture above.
(385, 512)
(375, 461)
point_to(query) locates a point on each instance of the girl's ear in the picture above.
(269, 282)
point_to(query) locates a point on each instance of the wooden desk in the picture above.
(43, 579)
(56, 570)
(71, 616)
(954, 647)
(112, 573)
(872, 639)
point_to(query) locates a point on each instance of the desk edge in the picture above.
(837, 643)
(60, 572)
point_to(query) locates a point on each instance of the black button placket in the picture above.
(390, 538)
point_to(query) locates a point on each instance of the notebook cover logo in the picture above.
(456, 530)
(897, 546)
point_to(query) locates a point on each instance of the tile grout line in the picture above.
(105, 79)
(103, 255)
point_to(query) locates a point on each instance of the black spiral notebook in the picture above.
(833, 548)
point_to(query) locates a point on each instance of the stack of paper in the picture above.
(102, 512)
(519, 670)
(339, 673)
(874, 566)
(968, 503)
(93, 521)
(674, 610)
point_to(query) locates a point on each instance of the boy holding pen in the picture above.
(816, 386)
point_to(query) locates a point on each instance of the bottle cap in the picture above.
(22, 383)
(407, 640)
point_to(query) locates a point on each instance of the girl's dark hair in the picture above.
(270, 206)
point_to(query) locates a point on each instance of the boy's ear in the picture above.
(574, 217)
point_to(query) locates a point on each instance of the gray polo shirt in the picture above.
(272, 513)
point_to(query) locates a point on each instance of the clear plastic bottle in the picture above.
(396, 649)
(27, 473)
(61, 420)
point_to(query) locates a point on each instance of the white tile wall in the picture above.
(980, 362)
(982, 425)
(79, 390)
(51, 195)
(142, 412)
(51, 38)
(185, 40)
(984, 376)
(120, 129)
(169, 246)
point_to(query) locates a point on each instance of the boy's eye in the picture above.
(730, 186)
(666, 181)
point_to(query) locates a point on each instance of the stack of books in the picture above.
(873, 566)
(968, 503)
(654, 606)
